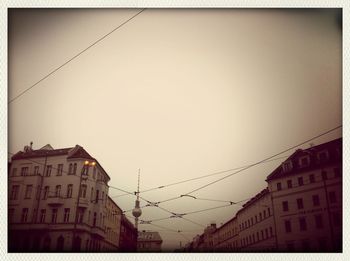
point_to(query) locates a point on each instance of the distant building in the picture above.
(256, 224)
(307, 199)
(149, 242)
(128, 236)
(44, 210)
(300, 211)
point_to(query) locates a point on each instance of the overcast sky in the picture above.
(178, 93)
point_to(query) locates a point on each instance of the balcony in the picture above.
(55, 200)
(98, 232)
(83, 202)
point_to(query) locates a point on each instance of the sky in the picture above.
(178, 94)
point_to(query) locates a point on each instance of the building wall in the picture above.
(256, 225)
(38, 193)
(321, 199)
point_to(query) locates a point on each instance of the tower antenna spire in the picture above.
(136, 212)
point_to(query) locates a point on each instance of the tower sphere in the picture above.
(136, 212)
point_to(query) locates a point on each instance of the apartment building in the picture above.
(225, 237)
(300, 211)
(306, 191)
(128, 236)
(56, 195)
(149, 241)
(256, 224)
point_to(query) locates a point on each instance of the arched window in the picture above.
(47, 243)
(77, 244)
(70, 170)
(75, 168)
(60, 243)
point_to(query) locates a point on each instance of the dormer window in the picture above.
(323, 156)
(287, 166)
(304, 161)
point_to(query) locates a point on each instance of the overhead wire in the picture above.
(261, 161)
(75, 56)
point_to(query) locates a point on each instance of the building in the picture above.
(306, 191)
(56, 195)
(256, 224)
(128, 236)
(226, 236)
(300, 211)
(149, 242)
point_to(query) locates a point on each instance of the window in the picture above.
(75, 168)
(285, 206)
(29, 189)
(262, 234)
(14, 192)
(319, 221)
(54, 215)
(42, 215)
(289, 183)
(36, 170)
(14, 172)
(60, 243)
(305, 244)
(336, 219)
(70, 169)
(58, 191)
(316, 200)
(322, 243)
(11, 214)
(279, 186)
(80, 215)
(48, 170)
(46, 192)
(94, 221)
(302, 223)
(323, 156)
(287, 166)
(300, 181)
(290, 246)
(24, 171)
(300, 203)
(304, 161)
(69, 190)
(66, 215)
(337, 172)
(94, 173)
(260, 216)
(97, 194)
(324, 175)
(288, 226)
(59, 169)
(24, 216)
(264, 214)
(312, 178)
(271, 233)
(83, 191)
(268, 211)
(92, 194)
(332, 197)
(256, 219)
(257, 236)
(266, 233)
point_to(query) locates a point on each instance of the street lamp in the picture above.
(83, 170)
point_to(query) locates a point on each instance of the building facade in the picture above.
(57, 195)
(300, 211)
(306, 191)
(128, 236)
(256, 224)
(148, 241)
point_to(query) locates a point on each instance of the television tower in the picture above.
(136, 212)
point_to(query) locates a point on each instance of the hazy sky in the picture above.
(179, 93)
